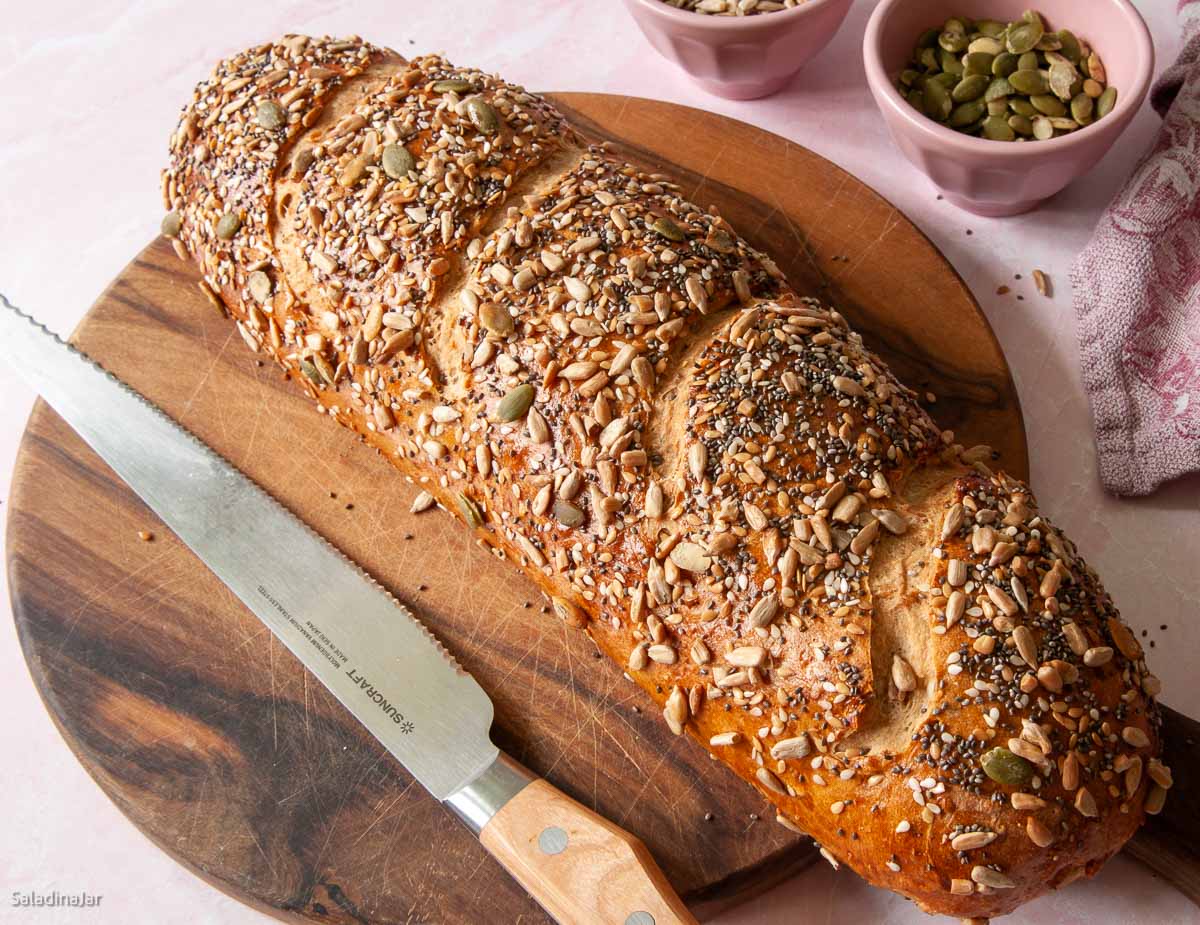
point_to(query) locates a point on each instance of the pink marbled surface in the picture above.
(89, 93)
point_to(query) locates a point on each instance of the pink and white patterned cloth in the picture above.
(1137, 297)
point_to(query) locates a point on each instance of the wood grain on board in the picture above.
(217, 744)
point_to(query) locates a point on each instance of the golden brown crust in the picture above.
(709, 472)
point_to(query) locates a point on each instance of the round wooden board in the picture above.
(216, 743)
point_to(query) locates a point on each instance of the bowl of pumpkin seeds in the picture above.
(1001, 105)
(739, 49)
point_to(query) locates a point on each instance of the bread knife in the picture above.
(380, 662)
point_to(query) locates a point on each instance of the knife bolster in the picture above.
(480, 800)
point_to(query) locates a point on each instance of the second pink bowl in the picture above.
(995, 177)
(740, 57)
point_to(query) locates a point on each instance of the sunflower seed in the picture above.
(794, 748)
(969, 841)
(903, 676)
(676, 711)
(747, 656)
(691, 557)
(770, 781)
(662, 654)
(762, 614)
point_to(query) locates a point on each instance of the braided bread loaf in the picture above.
(707, 471)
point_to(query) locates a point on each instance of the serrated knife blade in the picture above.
(374, 655)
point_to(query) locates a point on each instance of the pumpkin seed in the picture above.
(953, 41)
(908, 77)
(1022, 125)
(938, 103)
(1004, 64)
(970, 88)
(1071, 48)
(452, 85)
(1042, 129)
(311, 373)
(1022, 107)
(1030, 82)
(997, 129)
(1083, 109)
(270, 115)
(171, 225)
(1004, 767)
(468, 509)
(1024, 37)
(986, 46)
(398, 161)
(998, 89)
(1028, 62)
(1106, 103)
(990, 28)
(483, 116)
(1096, 69)
(669, 230)
(1048, 105)
(978, 63)
(228, 225)
(259, 285)
(951, 63)
(496, 319)
(1063, 78)
(967, 113)
(515, 404)
(567, 514)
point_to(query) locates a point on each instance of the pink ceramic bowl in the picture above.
(996, 177)
(740, 57)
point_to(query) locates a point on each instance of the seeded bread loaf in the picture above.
(706, 471)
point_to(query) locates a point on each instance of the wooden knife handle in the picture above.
(581, 868)
(1169, 843)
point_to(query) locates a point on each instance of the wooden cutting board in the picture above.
(217, 744)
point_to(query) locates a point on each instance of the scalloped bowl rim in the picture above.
(731, 23)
